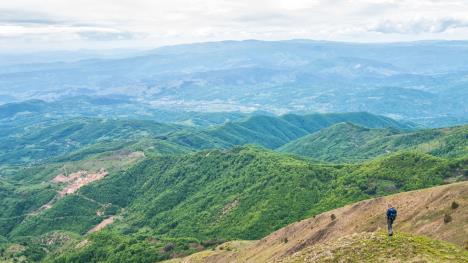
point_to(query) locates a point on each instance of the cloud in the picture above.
(106, 35)
(58, 33)
(37, 26)
(13, 17)
(148, 23)
(418, 26)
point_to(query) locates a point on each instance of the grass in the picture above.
(378, 247)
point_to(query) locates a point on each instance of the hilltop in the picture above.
(275, 131)
(348, 142)
(376, 247)
(349, 232)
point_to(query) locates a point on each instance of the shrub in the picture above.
(447, 218)
(169, 247)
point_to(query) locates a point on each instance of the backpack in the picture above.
(392, 213)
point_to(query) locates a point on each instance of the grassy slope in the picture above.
(358, 247)
(376, 247)
(420, 212)
(346, 142)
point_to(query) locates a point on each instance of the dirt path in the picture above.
(103, 224)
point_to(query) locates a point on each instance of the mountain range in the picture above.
(418, 81)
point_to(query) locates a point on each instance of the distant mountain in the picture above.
(26, 107)
(418, 81)
(113, 107)
(349, 142)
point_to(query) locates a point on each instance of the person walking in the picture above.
(391, 216)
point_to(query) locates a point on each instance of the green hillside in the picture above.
(173, 190)
(347, 142)
(272, 132)
(77, 138)
(244, 193)
(44, 142)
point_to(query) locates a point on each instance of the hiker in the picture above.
(391, 215)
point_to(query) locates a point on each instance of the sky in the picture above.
(105, 24)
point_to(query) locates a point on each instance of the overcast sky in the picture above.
(74, 24)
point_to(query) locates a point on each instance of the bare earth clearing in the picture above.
(103, 224)
(77, 180)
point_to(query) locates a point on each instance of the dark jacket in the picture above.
(391, 213)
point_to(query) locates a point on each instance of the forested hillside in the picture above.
(111, 189)
(272, 132)
(244, 193)
(45, 141)
(54, 140)
(347, 142)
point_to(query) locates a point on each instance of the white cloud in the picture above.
(419, 25)
(83, 23)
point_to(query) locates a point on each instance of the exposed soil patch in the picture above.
(73, 182)
(77, 180)
(103, 224)
(229, 207)
(55, 239)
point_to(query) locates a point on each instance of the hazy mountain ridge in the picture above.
(397, 80)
